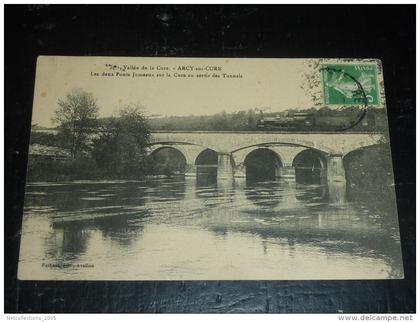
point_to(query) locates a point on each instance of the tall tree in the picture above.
(120, 148)
(76, 117)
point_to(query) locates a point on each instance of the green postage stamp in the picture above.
(350, 84)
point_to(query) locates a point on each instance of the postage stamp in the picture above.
(350, 84)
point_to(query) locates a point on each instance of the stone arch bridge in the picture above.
(232, 149)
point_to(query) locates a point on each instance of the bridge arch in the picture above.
(285, 151)
(206, 157)
(168, 160)
(157, 147)
(290, 142)
(190, 151)
(240, 155)
(206, 162)
(310, 166)
(262, 164)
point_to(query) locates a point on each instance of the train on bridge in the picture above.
(311, 121)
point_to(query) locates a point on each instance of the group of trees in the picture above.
(120, 146)
(237, 121)
(114, 147)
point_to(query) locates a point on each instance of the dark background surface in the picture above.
(385, 32)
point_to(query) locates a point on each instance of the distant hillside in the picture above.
(247, 120)
(243, 120)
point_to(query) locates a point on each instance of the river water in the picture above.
(200, 229)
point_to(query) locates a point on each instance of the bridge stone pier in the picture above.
(234, 148)
(225, 167)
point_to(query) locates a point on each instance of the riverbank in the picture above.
(84, 169)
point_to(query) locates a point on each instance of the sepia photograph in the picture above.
(229, 159)
(209, 169)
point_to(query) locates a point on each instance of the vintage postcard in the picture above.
(209, 169)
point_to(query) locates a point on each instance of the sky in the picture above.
(271, 84)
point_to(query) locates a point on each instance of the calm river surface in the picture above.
(198, 229)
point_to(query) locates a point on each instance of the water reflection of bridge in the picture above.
(314, 157)
(280, 214)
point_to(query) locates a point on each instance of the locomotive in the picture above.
(309, 121)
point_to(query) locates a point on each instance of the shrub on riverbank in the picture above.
(370, 169)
